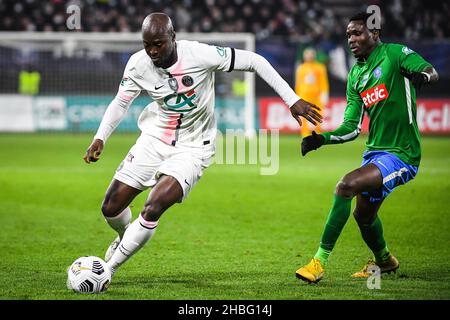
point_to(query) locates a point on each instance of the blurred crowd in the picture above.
(311, 19)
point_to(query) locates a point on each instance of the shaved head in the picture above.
(158, 37)
(158, 23)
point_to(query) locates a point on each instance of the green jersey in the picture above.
(376, 86)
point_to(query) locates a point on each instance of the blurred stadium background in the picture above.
(55, 84)
(63, 79)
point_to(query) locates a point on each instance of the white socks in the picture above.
(134, 238)
(120, 222)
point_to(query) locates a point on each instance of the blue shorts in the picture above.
(394, 171)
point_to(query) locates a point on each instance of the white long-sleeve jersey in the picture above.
(182, 112)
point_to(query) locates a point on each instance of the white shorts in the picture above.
(150, 158)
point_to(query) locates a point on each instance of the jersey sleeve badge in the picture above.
(407, 50)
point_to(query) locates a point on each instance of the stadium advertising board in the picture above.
(84, 113)
(433, 115)
(16, 113)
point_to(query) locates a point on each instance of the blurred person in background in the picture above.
(311, 83)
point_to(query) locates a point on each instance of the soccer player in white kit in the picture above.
(178, 128)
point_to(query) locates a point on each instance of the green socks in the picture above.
(322, 255)
(373, 236)
(337, 218)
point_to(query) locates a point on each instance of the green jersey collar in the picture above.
(372, 55)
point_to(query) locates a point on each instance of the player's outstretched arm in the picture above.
(115, 112)
(250, 61)
(307, 110)
(111, 119)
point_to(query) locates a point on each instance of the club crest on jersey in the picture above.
(374, 95)
(187, 81)
(173, 84)
(181, 102)
(377, 73)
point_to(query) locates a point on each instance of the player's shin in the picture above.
(336, 221)
(120, 222)
(373, 236)
(135, 237)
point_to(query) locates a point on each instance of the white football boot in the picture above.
(112, 247)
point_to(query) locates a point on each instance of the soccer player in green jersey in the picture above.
(382, 83)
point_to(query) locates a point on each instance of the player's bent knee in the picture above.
(345, 188)
(106, 211)
(152, 211)
(109, 209)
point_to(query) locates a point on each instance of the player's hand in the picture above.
(307, 110)
(94, 151)
(418, 79)
(312, 142)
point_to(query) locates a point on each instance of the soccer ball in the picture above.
(88, 275)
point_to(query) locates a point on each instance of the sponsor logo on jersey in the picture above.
(181, 102)
(374, 95)
(377, 73)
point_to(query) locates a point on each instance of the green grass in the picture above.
(239, 235)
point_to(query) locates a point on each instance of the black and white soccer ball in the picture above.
(88, 275)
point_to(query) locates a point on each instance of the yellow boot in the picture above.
(312, 272)
(390, 265)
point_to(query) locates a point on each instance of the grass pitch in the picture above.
(239, 235)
